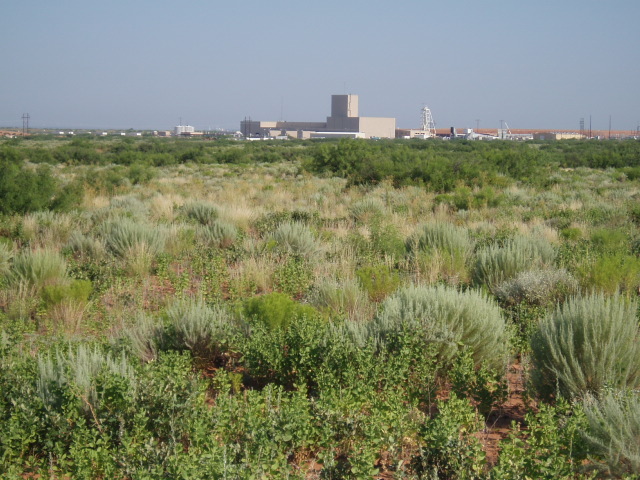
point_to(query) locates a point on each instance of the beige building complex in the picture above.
(343, 122)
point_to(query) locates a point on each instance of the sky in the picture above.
(146, 64)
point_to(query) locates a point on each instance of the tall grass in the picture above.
(201, 212)
(589, 343)
(342, 298)
(448, 318)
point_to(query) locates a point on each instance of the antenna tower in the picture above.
(25, 124)
(428, 125)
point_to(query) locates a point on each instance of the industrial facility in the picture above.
(343, 122)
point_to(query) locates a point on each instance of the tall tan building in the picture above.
(343, 122)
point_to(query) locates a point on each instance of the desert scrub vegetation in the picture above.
(588, 344)
(317, 309)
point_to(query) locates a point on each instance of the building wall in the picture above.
(343, 124)
(378, 127)
(344, 105)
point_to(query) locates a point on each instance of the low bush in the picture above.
(367, 209)
(378, 280)
(295, 238)
(496, 263)
(201, 212)
(611, 273)
(448, 318)
(218, 234)
(537, 287)
(587, 344)
(342, 298)
(613, 431)
(206, 332)
(276, 310)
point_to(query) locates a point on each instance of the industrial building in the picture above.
(343, 122)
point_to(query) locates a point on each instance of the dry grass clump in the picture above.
(342, 298)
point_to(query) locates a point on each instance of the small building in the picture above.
(557, 136)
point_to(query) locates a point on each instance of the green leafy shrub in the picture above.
(613, 431)
(484, 386)
(38, 268)
(449, 319)
(378, 280)
(293, 276)
(496, 263)
(450, 449)
(276, 310)
(587, 344)
(537, 287)
(551, 448)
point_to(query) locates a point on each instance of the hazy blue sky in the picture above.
(145, 64)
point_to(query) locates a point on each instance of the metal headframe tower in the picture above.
(25, 124)
(428, 125)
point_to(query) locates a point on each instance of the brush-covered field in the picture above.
(180, 308)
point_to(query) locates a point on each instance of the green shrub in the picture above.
(296, 238)
(537, 287)
(38, 268)
(496, 263)
(449, 319)
(75, 291)
(201, 212)
(450, 450)
(293, 276)
(611, 273)
(551, 448)
(587, 344)
(613, 432)
(607, 240)
(276, 310)
(378, 280)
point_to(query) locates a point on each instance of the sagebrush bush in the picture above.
(613, 433)
(38, 268)
(78, 369)
(496, 263)
(146, 337)
(219, 234)
(442, 236)
(6, 254)
(448, 318)
(587, 344)
(296, 238)
(205, 331)
(367, 209)
(537, 287)
(344, 297)
(89, 247)
(124, 236)
(201, 212)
